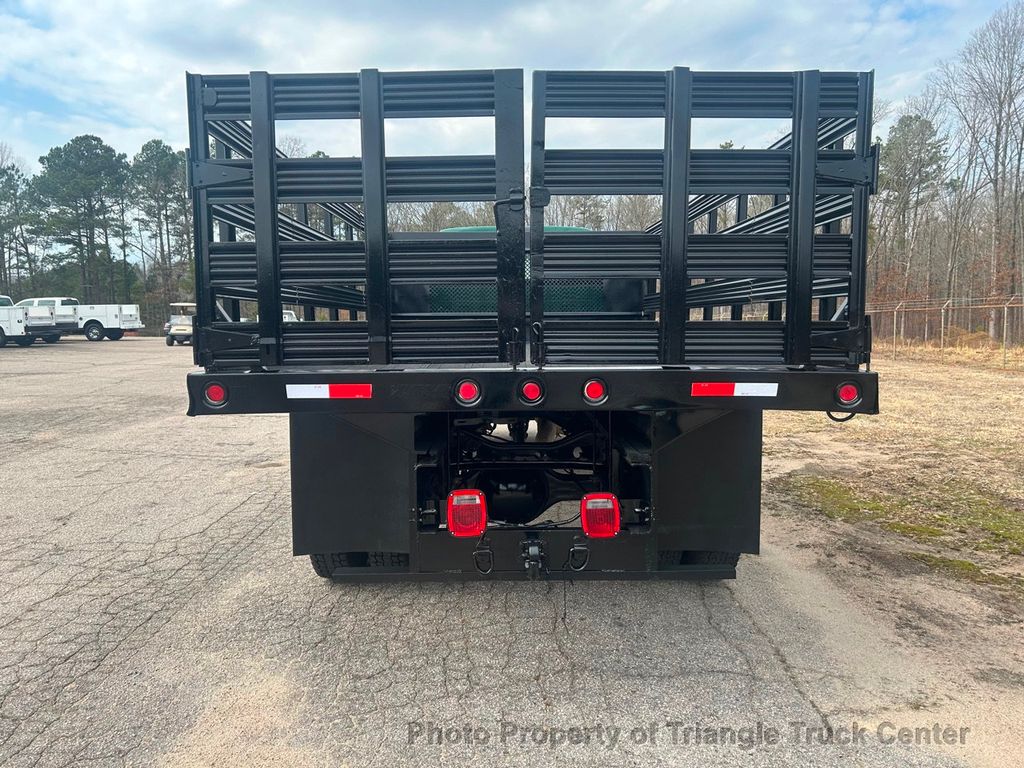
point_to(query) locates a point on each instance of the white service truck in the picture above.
(23, 325)
(96, 321)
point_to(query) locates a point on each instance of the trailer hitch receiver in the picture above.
(534, 559)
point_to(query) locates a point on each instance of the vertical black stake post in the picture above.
(202, 221)
(510, 218)
(537, 139)
(861, 193)
(674, 215)
(378, 307)
(264, 182)
(806, 87)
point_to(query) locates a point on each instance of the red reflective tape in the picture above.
(713, 389)
(350, 391)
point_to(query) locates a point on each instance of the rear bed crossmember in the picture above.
(433, 389)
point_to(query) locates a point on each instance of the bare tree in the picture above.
(292, 146)
(984, 86)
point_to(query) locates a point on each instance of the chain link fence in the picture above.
(987, 330)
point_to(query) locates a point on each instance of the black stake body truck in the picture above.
(523, 401)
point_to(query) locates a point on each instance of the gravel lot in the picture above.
(151, 613)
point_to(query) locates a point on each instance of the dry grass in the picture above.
(942, 466)
(973, 353)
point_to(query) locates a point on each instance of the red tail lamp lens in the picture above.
(531, 391)
(467, 392)
(467, 512)
(215, 394)
(600, 515)
(848, 393)
(594, 391)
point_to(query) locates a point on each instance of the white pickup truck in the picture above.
(23, 325)
(96, 321)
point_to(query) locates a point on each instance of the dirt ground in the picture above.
(918, 515)
(151, 613)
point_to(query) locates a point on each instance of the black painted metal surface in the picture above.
(722, 279)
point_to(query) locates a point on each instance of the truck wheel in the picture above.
(94, 331)
(51, 339)
(170, 341)
(711, 558)
(115, 335)
(3, 338)
(670, 558)
(387, 559)
(325, 564)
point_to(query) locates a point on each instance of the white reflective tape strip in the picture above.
(307, 391)
(756, 389)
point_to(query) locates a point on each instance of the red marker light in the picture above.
(848, 393)
(467, 512)
(531, 391)
(600, 515)
(594, 391)
(467, 392)
(215, 395)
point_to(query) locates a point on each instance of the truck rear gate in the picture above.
(464, 361)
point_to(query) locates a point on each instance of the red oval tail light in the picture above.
(595, 391)
(531, 391)
(215, 394)
(848, 394)
(467, 392)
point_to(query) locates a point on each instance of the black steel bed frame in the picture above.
(790, 256)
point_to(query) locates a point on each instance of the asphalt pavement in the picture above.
(152, 613)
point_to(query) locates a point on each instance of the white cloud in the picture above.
(117, 68)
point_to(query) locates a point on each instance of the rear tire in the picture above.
(325, 564)
(115, 335)
(94, 331)
(51, 339)
(729, 559)
(669, 559)
(388, 559)
(170, 341)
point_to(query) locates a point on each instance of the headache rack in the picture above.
(781, 287)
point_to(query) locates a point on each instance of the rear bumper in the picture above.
(682, 573)
(393, 389)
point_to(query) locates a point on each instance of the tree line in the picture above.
(948, 219)
(98, 226)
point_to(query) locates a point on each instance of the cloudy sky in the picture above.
(116, 69)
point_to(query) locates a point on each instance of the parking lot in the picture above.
(152, 614)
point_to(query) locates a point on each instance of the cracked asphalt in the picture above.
(152, 614)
